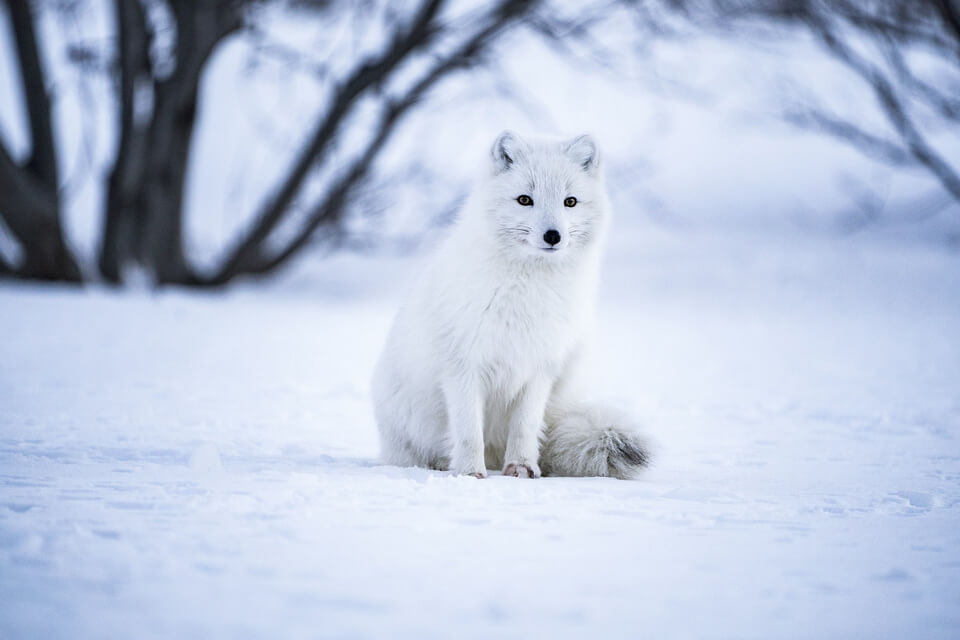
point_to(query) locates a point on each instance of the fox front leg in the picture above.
(465, 428)
(523, 438)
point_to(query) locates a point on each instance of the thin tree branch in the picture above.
(912, 24)
(946, 106)
(331, 208)
(950, 14)
(892, 107)
(871, 144)
(419, 34)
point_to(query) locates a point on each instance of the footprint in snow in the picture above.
(917, 499)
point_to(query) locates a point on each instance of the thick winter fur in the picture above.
(477, 369)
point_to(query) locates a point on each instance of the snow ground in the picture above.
(185, 465)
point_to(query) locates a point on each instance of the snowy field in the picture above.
(204, 466)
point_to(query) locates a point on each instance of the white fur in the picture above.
(491, 335)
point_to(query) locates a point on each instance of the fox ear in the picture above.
(583, 151)
(504, 150)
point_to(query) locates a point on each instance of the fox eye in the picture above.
(570, 202)
(525, 200)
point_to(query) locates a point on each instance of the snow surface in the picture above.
(203, 466)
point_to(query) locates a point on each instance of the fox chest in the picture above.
(520, 334)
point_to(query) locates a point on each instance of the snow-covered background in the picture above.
(177, 464)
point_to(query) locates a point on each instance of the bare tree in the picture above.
(143, 222)
(157, 98)
(29, 190)
(879, 41)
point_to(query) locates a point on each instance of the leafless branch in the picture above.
(947, 106)
(245, 255)
(331, 207)
(890, 102)
(874, 145)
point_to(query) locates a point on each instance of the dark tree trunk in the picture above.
(121, 221)
(29, 198)
(161, 233)
(144, 215)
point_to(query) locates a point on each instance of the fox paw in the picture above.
(522, 470)
(472, 471)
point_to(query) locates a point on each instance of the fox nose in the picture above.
(551, 237)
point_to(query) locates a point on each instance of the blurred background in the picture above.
(204, 143)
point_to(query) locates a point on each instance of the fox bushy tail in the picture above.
(591, 440)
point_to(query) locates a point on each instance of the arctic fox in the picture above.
(478, 368)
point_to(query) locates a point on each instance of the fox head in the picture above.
(546, 199)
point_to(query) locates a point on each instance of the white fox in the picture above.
(478, 366)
